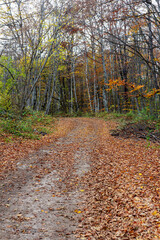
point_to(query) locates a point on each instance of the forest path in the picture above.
(82, 184)
(41, 199)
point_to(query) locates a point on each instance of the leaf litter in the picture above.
(117, 197)
(123, 189)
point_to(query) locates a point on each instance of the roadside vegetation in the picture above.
(28, 125)
(33, 124)
(133, 124)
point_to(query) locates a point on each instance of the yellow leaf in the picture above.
(154, 213)
(77, 211)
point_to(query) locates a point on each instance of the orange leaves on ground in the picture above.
(121, 193)
(122, 190)
(11, 152)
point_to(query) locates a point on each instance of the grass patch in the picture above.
(110, 116)
(130, 117)
(29, 125)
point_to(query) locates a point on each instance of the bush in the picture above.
(27, 125)
(16, 127)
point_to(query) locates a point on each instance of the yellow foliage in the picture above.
(136, 88)
(114, 83)
(152, 93)
(156, 59)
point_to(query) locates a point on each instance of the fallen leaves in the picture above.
(43, 211)
(20, 218)
(123, 200)
(77, 211)
(13, 151)
(121, 193)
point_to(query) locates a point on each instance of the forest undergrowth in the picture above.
(135, 125)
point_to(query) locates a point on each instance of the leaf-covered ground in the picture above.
(80, 183)
(123, 189)
(12, 151)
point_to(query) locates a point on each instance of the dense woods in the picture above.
(79, 56)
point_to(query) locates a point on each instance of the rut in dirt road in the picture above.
(42, 199)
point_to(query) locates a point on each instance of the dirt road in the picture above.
(84, 184)
(42, 198)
